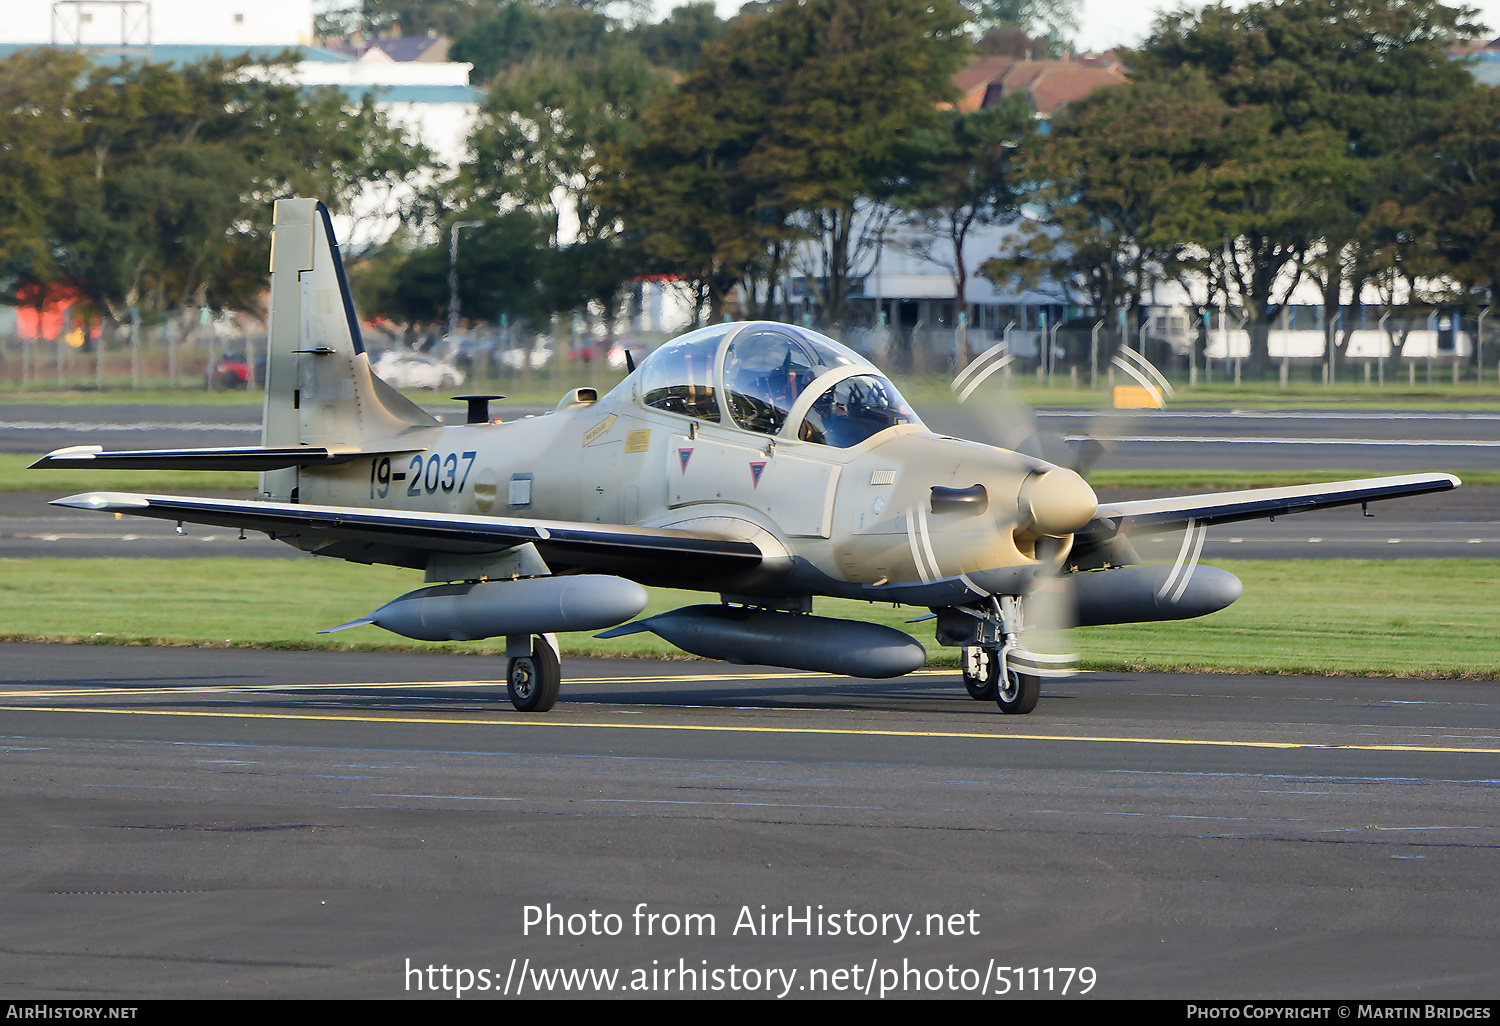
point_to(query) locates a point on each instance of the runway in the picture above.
(246, 823)
(1377, 442)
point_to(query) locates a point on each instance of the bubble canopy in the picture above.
(754, 375)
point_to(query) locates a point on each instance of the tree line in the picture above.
(722, 155)
(141, 192)
(1323, 142)
(1331, 142)
(1253, 152)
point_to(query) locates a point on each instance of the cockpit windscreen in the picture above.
(854, 409)
(679, 377)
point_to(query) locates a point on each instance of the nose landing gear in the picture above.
(981, 671)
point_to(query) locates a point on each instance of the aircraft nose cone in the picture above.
(1056, 502)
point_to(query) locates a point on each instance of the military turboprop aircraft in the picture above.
(760, 461)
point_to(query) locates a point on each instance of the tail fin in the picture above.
(319, 387)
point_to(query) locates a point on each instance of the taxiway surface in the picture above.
(246, 823)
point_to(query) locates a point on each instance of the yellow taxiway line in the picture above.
(556, 721)
(413, 684)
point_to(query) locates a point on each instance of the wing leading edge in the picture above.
(409, 539)
(1156, 515)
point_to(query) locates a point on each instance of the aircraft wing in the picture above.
(401, 538)
(1156, 515)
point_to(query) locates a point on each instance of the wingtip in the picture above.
(103, 501)
(67, 458)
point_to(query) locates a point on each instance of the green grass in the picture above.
(1435, 618)
(1421, 618)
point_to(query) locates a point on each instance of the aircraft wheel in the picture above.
(1020, 693)
(533, 681)
(979, 673)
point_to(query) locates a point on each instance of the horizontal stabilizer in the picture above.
(247, 457)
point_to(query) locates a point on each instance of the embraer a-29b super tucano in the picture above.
(759, 461)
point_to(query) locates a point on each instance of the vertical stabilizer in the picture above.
(319, 388)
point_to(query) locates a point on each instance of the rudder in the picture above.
(319, 386)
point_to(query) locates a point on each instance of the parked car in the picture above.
(534, 355)
(403, 368)
(227, 371)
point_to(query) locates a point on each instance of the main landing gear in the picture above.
(532, 681)
(979, 672)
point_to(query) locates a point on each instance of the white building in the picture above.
(908, 292)
(432, 101)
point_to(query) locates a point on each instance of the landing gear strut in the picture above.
(990, 637)
(532, 681)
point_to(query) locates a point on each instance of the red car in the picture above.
(232, 370)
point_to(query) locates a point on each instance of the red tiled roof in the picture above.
(1056, 86)
(1048, 84)
(975, 79)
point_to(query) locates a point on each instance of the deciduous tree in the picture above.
(970, 175)
(1342, 84)
(804, 122)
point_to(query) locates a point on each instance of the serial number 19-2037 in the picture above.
(436, 473)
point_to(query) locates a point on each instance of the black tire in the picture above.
(981, 688)
(1020, 694)
(532, 682)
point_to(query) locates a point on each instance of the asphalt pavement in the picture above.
(201, 823)
(232, 823)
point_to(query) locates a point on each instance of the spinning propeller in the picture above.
(1046, 610)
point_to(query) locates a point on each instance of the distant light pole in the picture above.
(1479, 335)
(453, 272)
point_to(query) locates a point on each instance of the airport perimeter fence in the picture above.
(64, 364)
(1083, 356)
(517, 359)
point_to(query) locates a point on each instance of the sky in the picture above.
(1106, 23)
